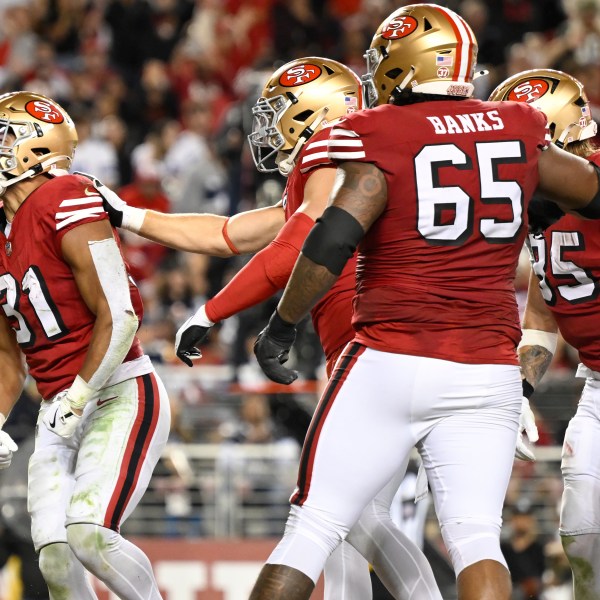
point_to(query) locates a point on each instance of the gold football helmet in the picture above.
(559, 96)
(423, 48)
(298, 99)
(36, 135)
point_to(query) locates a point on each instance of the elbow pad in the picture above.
(592, 210)
(333, 239)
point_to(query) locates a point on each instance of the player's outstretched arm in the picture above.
(264, 275)
(215, 235)
(12, 378)
(99, 271)
(572, 182)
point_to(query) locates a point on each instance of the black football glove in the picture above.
(542, 213)
(112, 204)
(190, 335)
(272, 349)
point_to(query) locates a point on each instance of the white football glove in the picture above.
(7, 446)
(527, 425)
(190, 335)
(60, 417)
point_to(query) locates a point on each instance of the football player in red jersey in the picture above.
(563, 295)
(292, 122)
(70, 308)
(434, 186)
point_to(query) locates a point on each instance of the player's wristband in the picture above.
(281, 330)
(527, 389)
(79, 393)
(133, 218)
(537, 337)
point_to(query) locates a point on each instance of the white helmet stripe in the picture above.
(464, 48)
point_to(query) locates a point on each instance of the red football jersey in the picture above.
(37, 289)
(332, 315)
(566, 260)
(435, 272)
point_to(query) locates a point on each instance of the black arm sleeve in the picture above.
(333, 239)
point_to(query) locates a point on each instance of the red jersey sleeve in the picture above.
(72, 201)
(314, 154)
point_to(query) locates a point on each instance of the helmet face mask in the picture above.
(420, 48)
(266, 140)
(36, 135)
(559, 96)
(298, 99)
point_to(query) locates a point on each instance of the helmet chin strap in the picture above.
(407, 79)
(287, 164)
(37, 170)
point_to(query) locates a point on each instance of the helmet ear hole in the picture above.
(394, 73)
(304, 115)
(427, 25)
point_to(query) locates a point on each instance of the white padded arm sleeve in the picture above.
(114, 281)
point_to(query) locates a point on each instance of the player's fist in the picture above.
(527, 425)
(7, 447)
(190, 335)
(272, 349)
(60, 417)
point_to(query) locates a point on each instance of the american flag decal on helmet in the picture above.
(443, 60)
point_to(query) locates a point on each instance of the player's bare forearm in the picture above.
(12, 368)
(535, 361)
(249, 231)
(307, 284)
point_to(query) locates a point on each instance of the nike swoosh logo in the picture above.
(53, 422)
(105, 400)
(90, 192)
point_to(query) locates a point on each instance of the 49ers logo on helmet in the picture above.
(299, 75)
(399, 27)
(44, 111)
(529, 91)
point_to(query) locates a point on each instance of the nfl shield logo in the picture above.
(8, 248)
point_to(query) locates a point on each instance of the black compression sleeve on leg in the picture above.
(333, 239)
(592, 210)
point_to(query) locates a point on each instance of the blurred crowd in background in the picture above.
(161, 92)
